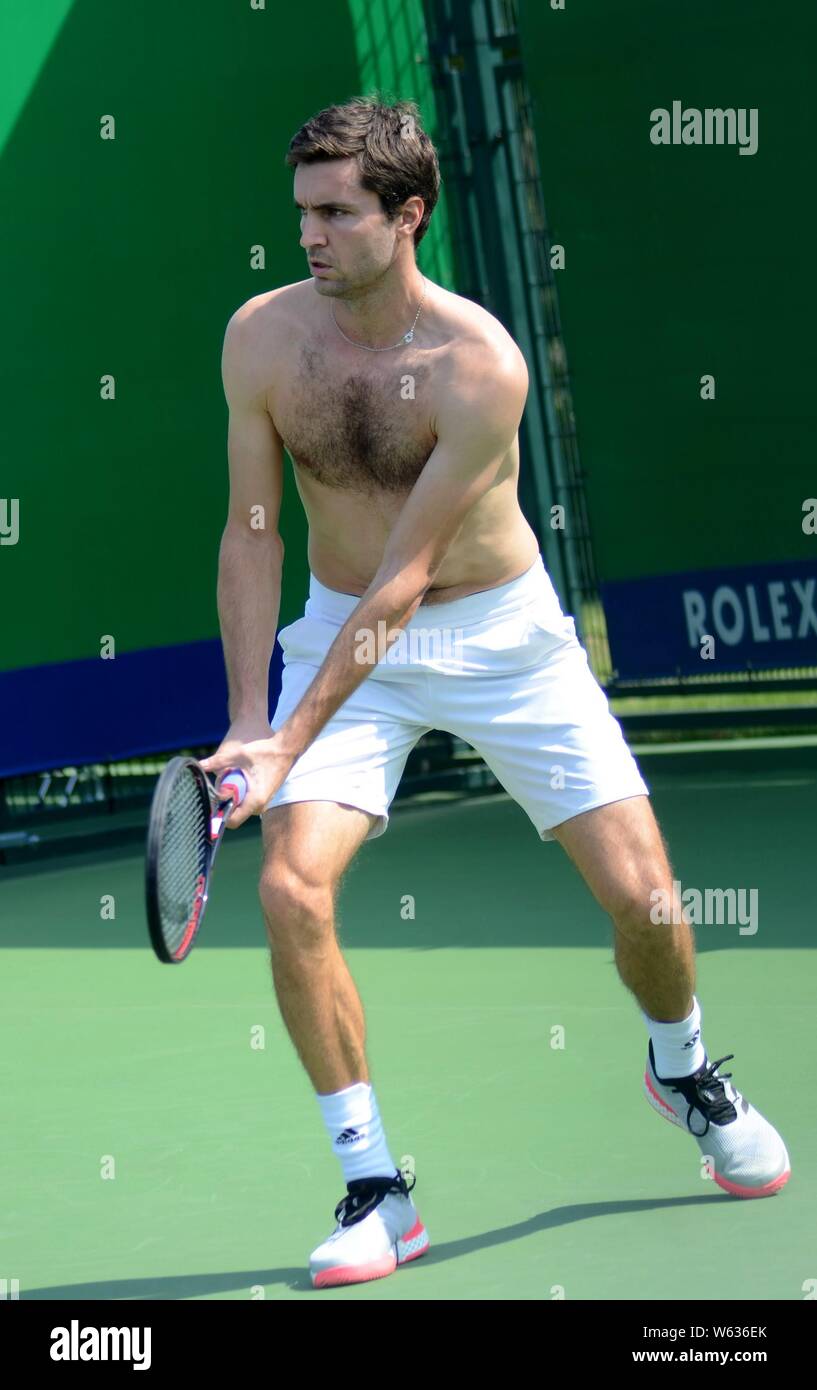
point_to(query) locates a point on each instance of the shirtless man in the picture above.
(399, 404)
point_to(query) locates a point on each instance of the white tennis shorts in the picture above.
(502, 669)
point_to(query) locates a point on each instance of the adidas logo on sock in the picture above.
(349, 1136)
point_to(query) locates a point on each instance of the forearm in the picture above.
(387, 606)
(249, 600)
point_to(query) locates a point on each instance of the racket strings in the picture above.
(182, 856)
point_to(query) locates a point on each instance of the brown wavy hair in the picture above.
(395, 157)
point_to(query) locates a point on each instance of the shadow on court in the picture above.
(200, 1285)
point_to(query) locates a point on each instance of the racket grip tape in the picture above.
(234, 781)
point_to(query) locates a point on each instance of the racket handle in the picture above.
(234, 781)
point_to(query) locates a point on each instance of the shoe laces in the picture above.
(365, 1194)
(705, 1092)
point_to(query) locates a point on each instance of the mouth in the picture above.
(319, 265)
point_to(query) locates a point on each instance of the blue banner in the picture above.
(706, 622)
(96, 711)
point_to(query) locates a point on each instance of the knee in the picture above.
(635, 903)
(298, 913)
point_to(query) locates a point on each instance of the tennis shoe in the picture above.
(747, 1155)
(378, 1229)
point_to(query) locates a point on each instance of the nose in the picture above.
(309, 237)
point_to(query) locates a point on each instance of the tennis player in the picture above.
(429, 607)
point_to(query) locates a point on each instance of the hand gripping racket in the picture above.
(188, 818)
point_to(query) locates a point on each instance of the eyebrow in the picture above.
(319, 207)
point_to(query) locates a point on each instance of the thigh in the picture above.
(546, 731)
(620, 852)
(307, 848)
(358, 757)
(312, 842)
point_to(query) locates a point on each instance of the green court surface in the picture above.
(539, 1169)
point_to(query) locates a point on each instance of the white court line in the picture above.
(740, 783)
(733, 745)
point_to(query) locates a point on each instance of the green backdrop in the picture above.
(128, 257)
(681, 261)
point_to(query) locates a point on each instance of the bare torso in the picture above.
(359, 434)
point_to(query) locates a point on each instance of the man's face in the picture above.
(343, 226)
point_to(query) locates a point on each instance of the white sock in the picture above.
(677, 1047)
(353, 1123)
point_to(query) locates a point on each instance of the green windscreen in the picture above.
(125, 258)
(683, 261)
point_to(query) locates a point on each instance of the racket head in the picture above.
(179, 856)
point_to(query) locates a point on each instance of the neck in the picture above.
(379, 314)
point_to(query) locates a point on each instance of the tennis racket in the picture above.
(188, 817)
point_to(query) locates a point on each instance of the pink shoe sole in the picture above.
(733, 1188)
(410, 1247)
(768, 1191)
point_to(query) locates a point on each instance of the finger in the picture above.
(218, 762)
(241, 814)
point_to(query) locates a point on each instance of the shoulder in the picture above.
(479, 348)
(258, 329)
(482, 370)
(265, 311)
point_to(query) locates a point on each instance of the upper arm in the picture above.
(476, 424)
(254, 448)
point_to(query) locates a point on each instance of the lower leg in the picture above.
(657, 963)
(323, 1014)
(622, 856)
